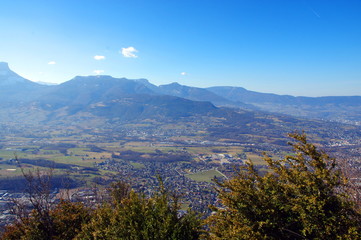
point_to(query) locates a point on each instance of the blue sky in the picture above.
(300, 47)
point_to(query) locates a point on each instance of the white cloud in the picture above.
(51, 62)
(98, 57)
(97, 72)
(129, 52)
(183, 73)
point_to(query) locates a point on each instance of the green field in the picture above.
(137, 165)
(205, 176)
(256, 159)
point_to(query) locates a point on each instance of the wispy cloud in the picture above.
(98, 57)
(183, 73)
(51, 62)
(129, 52)
(97, 72)
(314, 12)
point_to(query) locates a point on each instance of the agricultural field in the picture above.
(93, 152)
(85, 154)
(205, 176)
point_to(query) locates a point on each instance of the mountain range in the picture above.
(129, 99)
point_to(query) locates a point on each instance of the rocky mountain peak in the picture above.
(4, 66)
(8, 77)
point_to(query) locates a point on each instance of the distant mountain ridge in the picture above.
(118, 98)
(88, 90)
(46, 83)
(193, 93)
(341, 108)
(89, 93)
(14, 88)
(244, 95)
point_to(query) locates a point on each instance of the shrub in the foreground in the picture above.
(138, 217)
(63, 222)
(301, 197)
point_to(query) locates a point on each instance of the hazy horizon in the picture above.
(50, 83)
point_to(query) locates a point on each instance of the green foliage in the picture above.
(128, 215)
(137, 217)
(64, 222)
(302, 197)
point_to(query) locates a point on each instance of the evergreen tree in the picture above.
(64, 223)
(125, 215)
(301, 197)
(137, 217)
